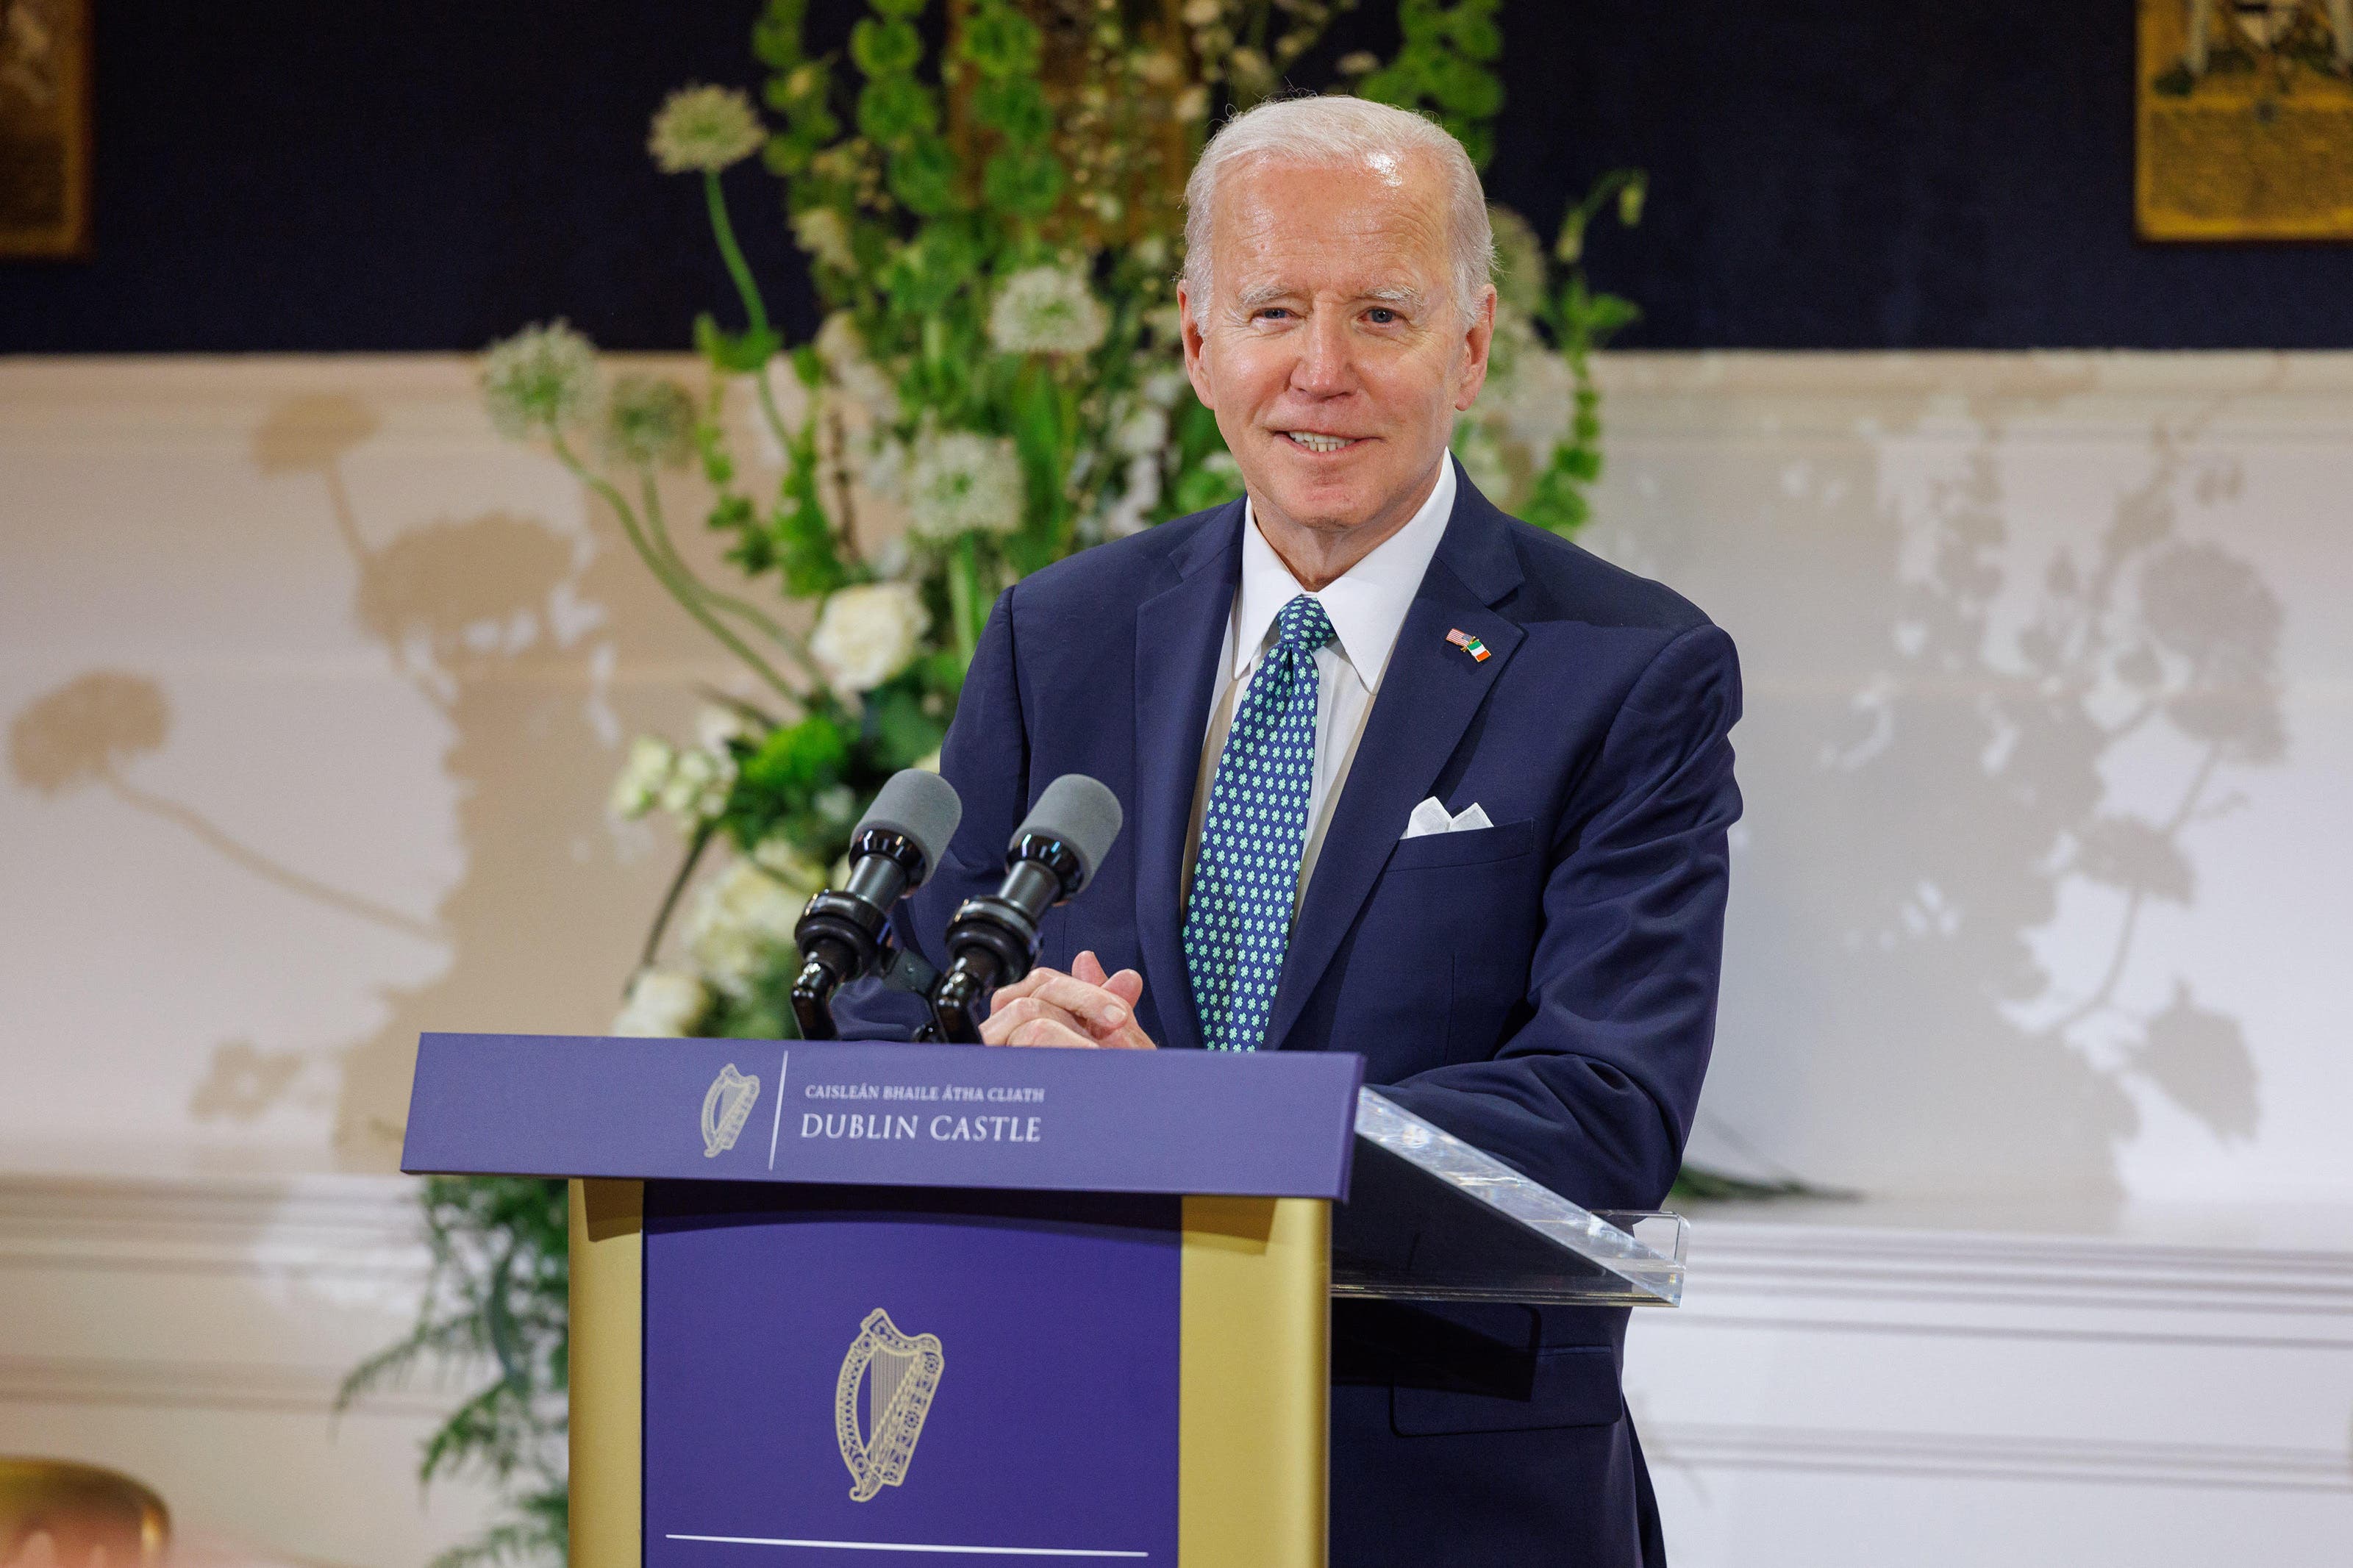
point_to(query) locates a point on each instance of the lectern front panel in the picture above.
(839, 1374)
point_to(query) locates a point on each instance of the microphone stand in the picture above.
(842, 936)
(993, 940)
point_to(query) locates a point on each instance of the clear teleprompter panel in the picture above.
(1430, 1218)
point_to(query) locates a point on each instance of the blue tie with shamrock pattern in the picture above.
(1246, 875)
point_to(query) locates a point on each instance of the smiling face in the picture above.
(1332, 349)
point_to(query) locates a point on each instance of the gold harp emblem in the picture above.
(901, 1374)
(724, 1108)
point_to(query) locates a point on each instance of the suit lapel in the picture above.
(1428, 695)
(1180, 635)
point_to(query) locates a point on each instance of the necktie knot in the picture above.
(1304, 626)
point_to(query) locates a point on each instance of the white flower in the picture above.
(1142, 433)
(843, 352)
(1193, 103)
(1520, 272)
(541, 381)
(704, 128)
(643, 776)
(1531, 393)
(741, 928)
(649, 421)
(964, 482)
(784, 860)
(662, 1004)
(716, 724)
(1162, 388)
(1125, 515)
(866, 634)
(822, 232)
(697, 787)
(1047, 311)
(1476, 448)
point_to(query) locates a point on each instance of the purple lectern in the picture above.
(841, 1303)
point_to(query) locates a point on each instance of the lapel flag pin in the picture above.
(1469, 644)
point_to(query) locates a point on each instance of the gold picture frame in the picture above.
(2244, 120)
(44, 129)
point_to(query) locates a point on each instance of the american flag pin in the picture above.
(1468, 644)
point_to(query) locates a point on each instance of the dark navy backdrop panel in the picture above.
(1276, 1124)
(1054, 1423)
(281, 175)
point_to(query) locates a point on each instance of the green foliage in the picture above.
(1446, 68)
(1581, 321)
(495, 1308)
(1696, 1184)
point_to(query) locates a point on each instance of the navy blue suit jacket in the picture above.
(1545, 988)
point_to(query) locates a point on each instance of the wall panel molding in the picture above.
(2033, 1388)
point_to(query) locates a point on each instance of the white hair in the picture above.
(1333, 133)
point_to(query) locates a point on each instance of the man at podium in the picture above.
(1403, 776)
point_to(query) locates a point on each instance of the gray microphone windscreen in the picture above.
(920, 804)
(1081, 812)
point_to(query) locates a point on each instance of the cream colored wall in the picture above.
(1999, 929)
(314, 688)
(344, 677)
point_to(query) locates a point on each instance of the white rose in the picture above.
(662, 1005)
(741, 928)
(867, 634)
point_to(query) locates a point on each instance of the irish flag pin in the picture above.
(1468, 644)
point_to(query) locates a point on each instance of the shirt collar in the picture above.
(1366, 605)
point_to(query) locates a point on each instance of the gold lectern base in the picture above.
(1253, 1393)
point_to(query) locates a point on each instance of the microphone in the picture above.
(993, 941)
(843, 936)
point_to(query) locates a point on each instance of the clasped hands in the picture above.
(1084, 1007)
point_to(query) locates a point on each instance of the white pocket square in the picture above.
(1430, 816)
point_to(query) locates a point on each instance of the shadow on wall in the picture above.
(83, 734)
(488, 619)
(1944, 901)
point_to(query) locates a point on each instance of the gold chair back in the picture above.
(57, 1514)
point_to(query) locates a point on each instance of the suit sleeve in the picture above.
(1593, 1094)
(987, 758)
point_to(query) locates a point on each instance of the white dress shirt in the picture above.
(1366, 605)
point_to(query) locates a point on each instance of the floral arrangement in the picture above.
(997, 383)
(993, 230)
